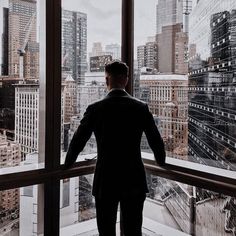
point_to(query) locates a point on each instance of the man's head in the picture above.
(116, 74)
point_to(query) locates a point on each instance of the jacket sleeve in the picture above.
(154, 138)
(80, 138)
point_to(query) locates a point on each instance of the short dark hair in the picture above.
(117, 69)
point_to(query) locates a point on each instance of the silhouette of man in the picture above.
(118, 122)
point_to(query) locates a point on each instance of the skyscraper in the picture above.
(9, 156)
(74, 44)
(114, 50)
(4, 69)
(70, 98)
(212, 95)
(148, 55)
(26, 117)
(22, 37)
(168, 101)
(168, 12)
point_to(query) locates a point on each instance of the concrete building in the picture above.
(114, 50)
(168, 100)
(97, 50)
(97, 63)
(7, 104)
(10, 156)
(22, 33)
(27, 117)
(172, 49)
(5, 45)
(76, 203)
(181, 53)
(74, 44)
(70, 98)
(147, 55)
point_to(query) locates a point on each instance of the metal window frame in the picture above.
(49, 177)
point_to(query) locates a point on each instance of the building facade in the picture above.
(114, 50)
(5, 45)
(74, 44)
(22, 37)
(10, 156)
(70, 98)
(168, 12)
(212, 88)
(147, 55)
(168, 100)
(27, 117)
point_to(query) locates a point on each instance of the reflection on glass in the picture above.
(173, 208)
(77, 207)
(185, 70)
(88, 42)
(212, 127)
(19, 81)
(19, 211)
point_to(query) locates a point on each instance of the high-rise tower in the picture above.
(74, 44)
(22, 37)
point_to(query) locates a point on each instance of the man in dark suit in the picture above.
(118, 122)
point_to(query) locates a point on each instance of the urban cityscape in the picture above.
(186, 73)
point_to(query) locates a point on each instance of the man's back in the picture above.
(118, 122)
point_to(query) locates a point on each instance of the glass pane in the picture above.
(77, 206)
(88, 42)
(20, 211)
(173, 208)
(185, 70)
(20, 82)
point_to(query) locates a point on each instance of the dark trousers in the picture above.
(131, 207)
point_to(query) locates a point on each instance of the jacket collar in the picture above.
(117, 93)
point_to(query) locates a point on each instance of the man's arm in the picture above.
(154, 138)
(80, 138)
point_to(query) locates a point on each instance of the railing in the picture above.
(177, 171)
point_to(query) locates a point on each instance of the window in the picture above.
(211, 93)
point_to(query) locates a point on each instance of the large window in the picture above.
(21, 84)
(88, 42)
(185, 70)
(52, 57)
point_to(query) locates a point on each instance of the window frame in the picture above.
(49, 143)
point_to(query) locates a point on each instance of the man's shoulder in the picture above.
(132, 100)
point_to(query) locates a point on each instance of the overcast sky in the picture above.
(104, 19)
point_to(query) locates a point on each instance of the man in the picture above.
(118, 122)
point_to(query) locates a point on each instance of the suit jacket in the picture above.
(118, 122)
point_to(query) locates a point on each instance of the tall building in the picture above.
(114, 50)
(74, 44)
(5, 45)
(168, 12)
(97, 63)
(147, 55)
(27, 117)
(7, 104)
(168, 100)
(10, 156)
(181, 53)
(97, 50)
(22, 39)
(172, 49)
(70, 98)
(212, 91)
